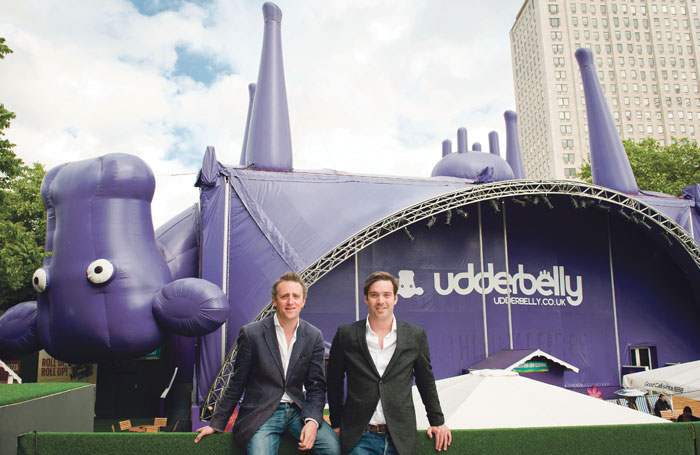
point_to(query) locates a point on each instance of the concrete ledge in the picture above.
(72, 410)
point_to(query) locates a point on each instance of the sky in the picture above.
(372, 87)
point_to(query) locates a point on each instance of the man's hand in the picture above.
(203, 432)
(308, 435)
(443, 437)
(337, 430)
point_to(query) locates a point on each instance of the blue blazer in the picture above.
(258, 372)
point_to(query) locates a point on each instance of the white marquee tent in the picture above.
(503, 399)
(681, 379)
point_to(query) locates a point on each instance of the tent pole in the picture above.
(483, 294)
(505, 249)
(357, 293)
(224, 267)
(690, 223)
(614, 304)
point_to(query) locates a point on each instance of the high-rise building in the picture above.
(645, 53)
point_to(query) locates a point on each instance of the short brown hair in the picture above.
(289, 276)
(380, 276)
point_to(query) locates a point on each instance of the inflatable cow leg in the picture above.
(190, 307)
(18, 330)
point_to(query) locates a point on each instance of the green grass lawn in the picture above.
(17, 393)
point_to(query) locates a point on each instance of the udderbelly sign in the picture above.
(554, 282)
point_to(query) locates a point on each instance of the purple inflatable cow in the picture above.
(105, 290)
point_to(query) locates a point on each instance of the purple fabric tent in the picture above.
(258, 224)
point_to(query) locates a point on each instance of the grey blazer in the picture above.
(350, 358)
(258, 371)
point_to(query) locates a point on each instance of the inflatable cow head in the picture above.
(105, 291)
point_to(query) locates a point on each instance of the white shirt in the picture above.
(381, 358)
(285, 351)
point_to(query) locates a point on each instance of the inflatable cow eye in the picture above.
(100, 271)
(40, 280)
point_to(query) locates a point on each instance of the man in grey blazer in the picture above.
(277, 358)
(380, 357)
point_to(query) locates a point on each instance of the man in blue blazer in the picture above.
(380, 356)
(277, 358)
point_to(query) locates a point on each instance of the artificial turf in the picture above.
(17, 393)
(672, 438)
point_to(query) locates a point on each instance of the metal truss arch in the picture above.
(628, 205)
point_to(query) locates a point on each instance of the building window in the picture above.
(570, 171)
(643, 356)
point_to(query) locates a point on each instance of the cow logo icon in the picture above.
(407, 285)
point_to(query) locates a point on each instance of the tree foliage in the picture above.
(666, 169)
(22, 217)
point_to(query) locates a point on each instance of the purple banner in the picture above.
(551, 268)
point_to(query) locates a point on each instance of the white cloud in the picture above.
(373, 87)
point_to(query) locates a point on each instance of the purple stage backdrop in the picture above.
(563, 297)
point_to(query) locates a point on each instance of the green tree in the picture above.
(666, 169)
(22, 217)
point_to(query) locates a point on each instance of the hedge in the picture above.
(676, 438)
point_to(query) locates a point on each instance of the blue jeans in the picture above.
(287, 418)
(374, 444)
